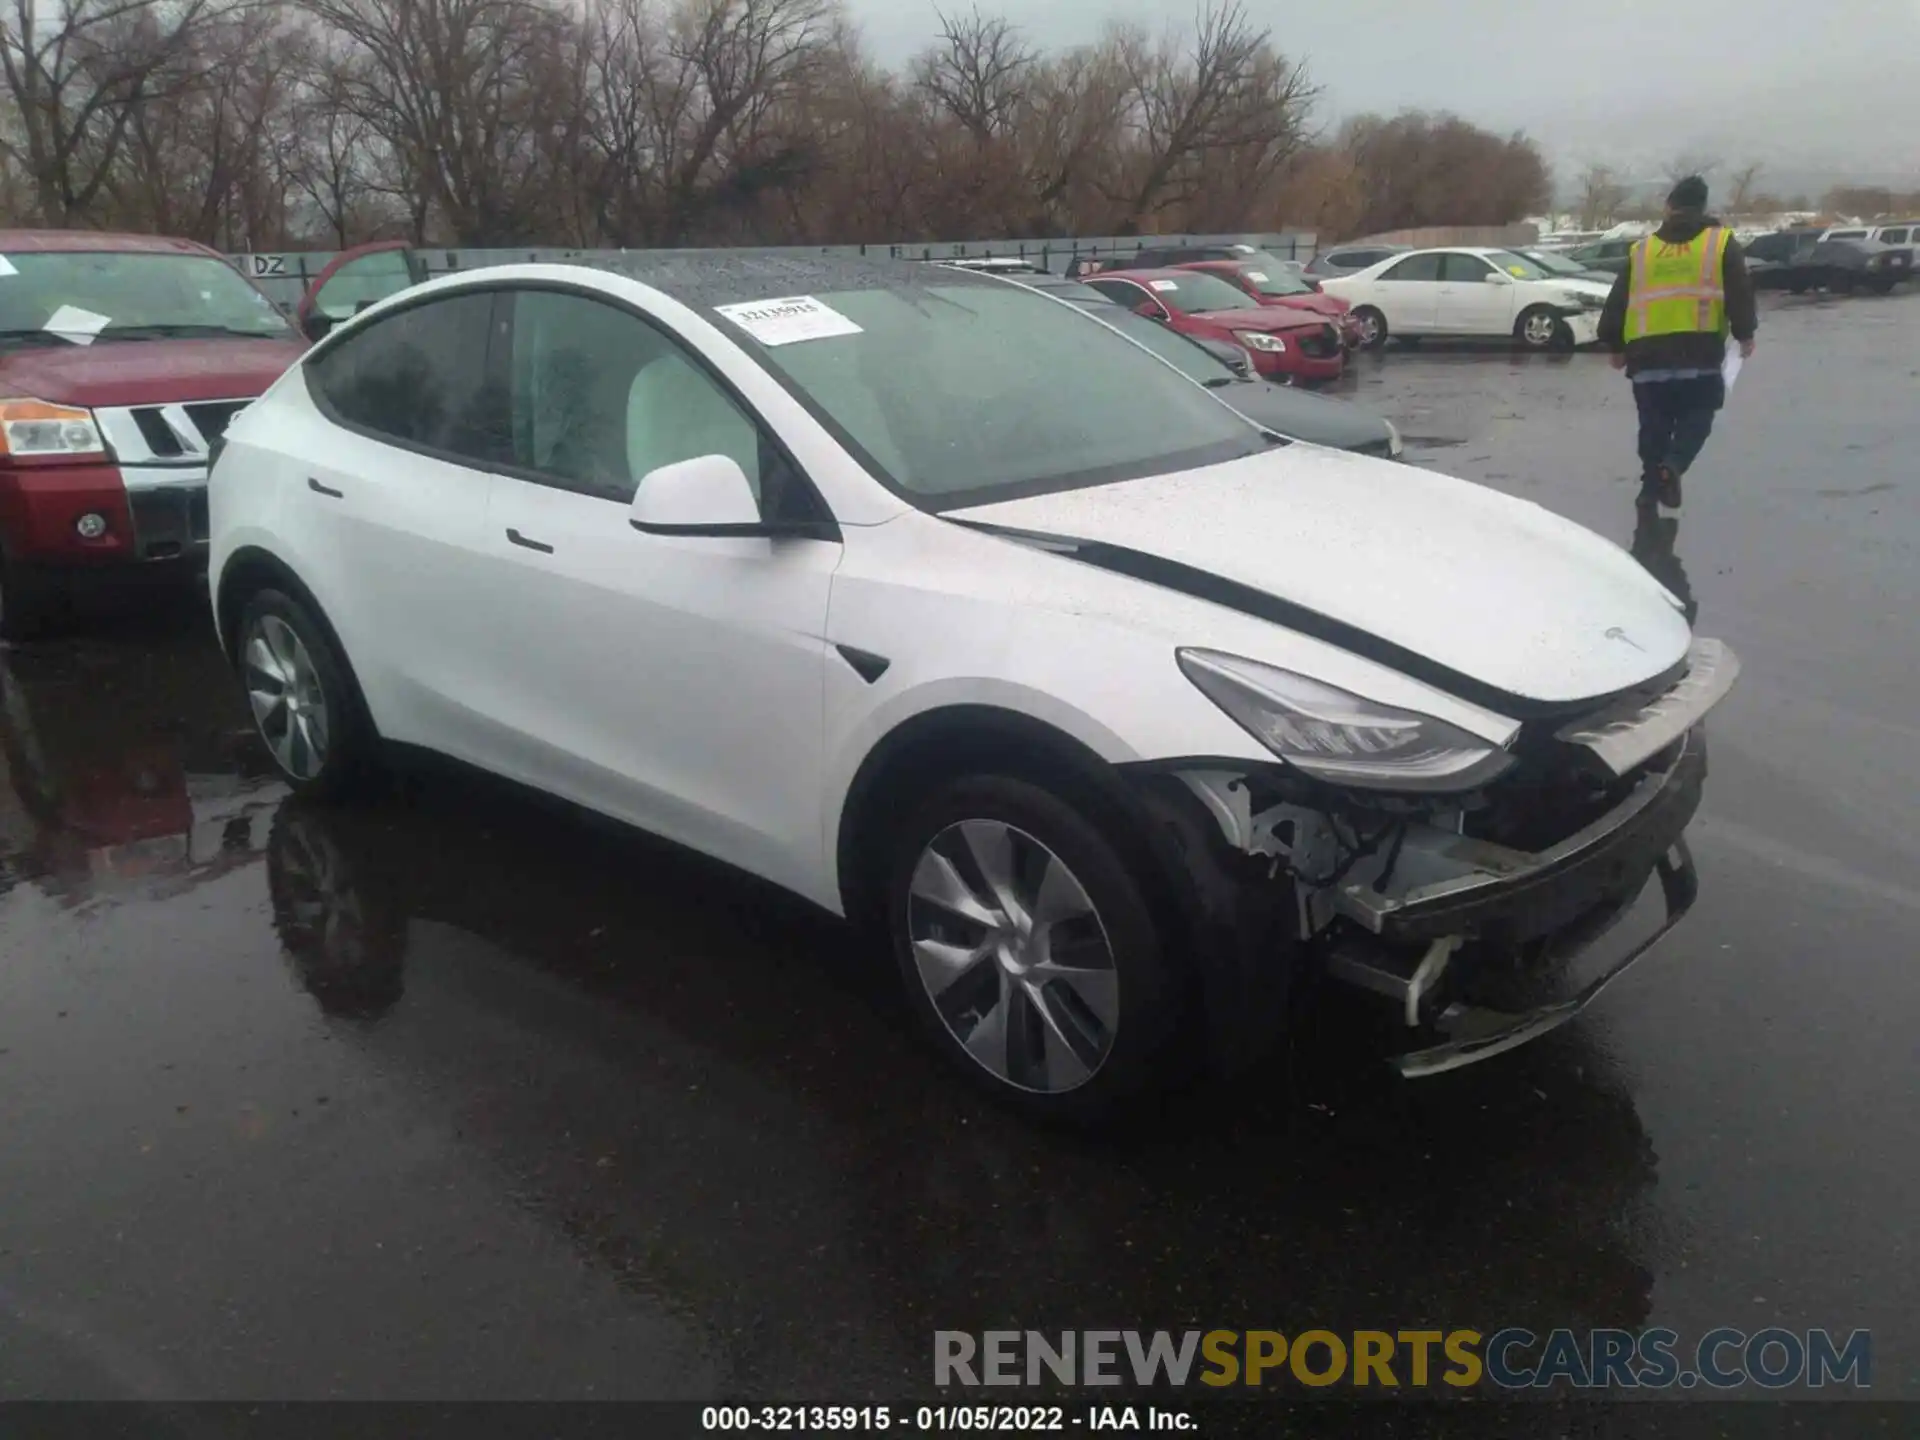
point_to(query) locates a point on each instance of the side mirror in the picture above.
(1498, 277)
(708, 496)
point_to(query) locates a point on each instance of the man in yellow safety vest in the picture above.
(1685, 289)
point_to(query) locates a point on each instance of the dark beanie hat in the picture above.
(1689, 194)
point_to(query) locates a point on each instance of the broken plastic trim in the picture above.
(1481, 1033)
(1204, 585)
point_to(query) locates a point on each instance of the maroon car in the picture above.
(122, 358)
(1288, 345)
(1273, 286)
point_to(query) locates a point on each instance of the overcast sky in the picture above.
(1801, 85)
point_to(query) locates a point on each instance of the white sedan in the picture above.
(911, 591)
(1470, 291)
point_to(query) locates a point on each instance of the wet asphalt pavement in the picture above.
(454, 1096)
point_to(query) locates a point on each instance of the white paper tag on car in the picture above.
(1164, 284)
(1730, 368)
(1259, 277)
(6, 267)
(787, 319)
(70, 322)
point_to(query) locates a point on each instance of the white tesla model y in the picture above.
(912, 591)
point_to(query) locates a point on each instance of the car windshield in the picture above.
(1515, 265)
(1552, 264)
(78, 297)
(1269, 277)
(1196, 290)
(1191, 360)
(968, 393)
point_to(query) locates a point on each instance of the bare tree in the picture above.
(1740, 188)
(77, 78)
(1224, 89)
(1600, 196)
(977, 72)
(1691, 162)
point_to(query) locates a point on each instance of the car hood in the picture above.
(1305, 416)
(1269, 318)
(1421, 570)
(1331, 306)
(147, 372)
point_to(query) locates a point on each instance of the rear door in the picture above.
(1408, 294)
(390, 509)
(676, 682)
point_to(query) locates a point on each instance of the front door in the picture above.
(675, 682)
(1470, 303)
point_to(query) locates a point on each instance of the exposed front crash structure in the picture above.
(1471, 914)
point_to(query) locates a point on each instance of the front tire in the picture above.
(1541, 329)
(1029, 950)
(305, 705)
(1373, 328)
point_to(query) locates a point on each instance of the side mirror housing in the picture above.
(708, 496)
(1498, 277)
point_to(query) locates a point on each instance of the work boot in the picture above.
(1649, 493)
(1667, 487)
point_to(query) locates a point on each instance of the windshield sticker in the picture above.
(1259, 277)
(1519, 272)
(1164, 284)
(70, 322)
(790, 318)
(6, 267)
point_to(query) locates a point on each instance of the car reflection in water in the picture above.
(716, 1094)
(1654, 535)
(125, 771)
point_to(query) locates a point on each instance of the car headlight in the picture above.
(1339, 737)
(31, 428)
(1256, 340)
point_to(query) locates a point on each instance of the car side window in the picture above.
(1124, 292)
(1464, 267)
(599, 397)
(420, 378)
(1897, 236)
(1415, 267)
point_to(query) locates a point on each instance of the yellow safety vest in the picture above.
(1678, 289)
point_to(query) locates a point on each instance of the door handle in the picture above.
(319, 489)
(517, 538)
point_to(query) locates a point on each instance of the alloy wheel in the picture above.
(289, 702)
(1014, 956)
(1540, 329)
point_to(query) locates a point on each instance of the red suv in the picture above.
(1292, 346)
(122, 358)
(1273, 286)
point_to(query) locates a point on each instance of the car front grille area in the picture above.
(1553, 791)
(1321, 344)
(169, 521)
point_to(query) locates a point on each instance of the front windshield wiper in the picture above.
(33, 337)
(186, 332)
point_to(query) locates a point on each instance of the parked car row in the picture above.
(1470, 291)
(1841, 262)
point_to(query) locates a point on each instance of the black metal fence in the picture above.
(285, 276)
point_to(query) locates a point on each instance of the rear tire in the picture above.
(306, 707)
(1373, 327)
(1029, 950)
